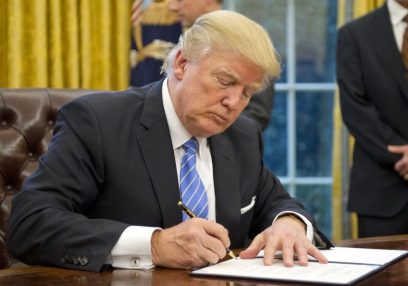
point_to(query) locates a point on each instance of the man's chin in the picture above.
(210, 130)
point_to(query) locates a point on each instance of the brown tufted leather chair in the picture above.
(27, 119)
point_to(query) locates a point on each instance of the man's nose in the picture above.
(234, 98)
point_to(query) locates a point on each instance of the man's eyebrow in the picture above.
(225, 73)
(231, 76)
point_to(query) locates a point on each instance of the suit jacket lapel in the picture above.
(389, 51)
(227, 193)
(156, 143)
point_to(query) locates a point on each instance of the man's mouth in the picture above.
(219, 118)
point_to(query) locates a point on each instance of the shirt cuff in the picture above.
(309, 226)
(133, 249)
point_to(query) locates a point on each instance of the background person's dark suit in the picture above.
(115, 165)
(374, 104)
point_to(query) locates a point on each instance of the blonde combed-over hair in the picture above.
(229, 33)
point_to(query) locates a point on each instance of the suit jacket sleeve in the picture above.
(356, 73)
(49, 223)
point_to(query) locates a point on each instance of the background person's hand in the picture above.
(193, 243)
(402, 165)
(288, 235)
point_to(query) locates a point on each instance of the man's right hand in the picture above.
(402, 165)
(193, 243)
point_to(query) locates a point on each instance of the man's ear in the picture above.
(179, 65)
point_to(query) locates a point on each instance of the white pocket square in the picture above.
(250, 206)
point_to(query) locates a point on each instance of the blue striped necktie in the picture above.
(192, 189)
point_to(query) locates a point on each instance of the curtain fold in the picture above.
(65, 43)
(342, 142)
(337, 192)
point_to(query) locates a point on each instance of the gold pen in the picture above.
(192, 215)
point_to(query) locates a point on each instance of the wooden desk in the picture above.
(396, 274)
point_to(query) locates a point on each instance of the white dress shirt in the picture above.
(397, 15)
(132, 250)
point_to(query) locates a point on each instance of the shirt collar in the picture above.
(178, 133)
(397, 12)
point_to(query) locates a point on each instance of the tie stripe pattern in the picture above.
(404, 50)
(192, 189)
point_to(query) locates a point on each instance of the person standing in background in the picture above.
(260, 106)
(373, 80)
(153, 35)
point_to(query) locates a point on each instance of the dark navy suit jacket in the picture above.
(374, 103)
(111, 164)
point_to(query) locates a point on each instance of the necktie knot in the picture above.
(191, 146)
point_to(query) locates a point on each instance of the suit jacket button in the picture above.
(134, 261)
(76, 260)
(83, 261)
(65, 259)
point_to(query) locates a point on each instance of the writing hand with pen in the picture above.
(195, 242)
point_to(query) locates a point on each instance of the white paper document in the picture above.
(354, 255)
(362, 255)
(346, 266)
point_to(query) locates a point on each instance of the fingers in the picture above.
(313, 251)
(193, 243)
(254, 248)
(402, 165)
(397, 149)
(291, 248)
(212, 251)
(271, 246)
(287, 253)
(290, 238)
(218, 231)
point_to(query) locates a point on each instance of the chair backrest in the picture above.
(27, 118)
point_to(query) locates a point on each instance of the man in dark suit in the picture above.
(107, 190)
(374, 102)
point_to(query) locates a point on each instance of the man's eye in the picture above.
(224, 83)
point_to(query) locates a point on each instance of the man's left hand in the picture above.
(402, 165)
(287, 234)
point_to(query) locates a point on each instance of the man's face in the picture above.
(188, 10)
(209, 95)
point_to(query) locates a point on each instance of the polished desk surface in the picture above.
(395, 274)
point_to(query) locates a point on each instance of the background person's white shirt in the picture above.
(397, 14)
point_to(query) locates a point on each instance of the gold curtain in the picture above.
(359, 8)
(65, 43)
